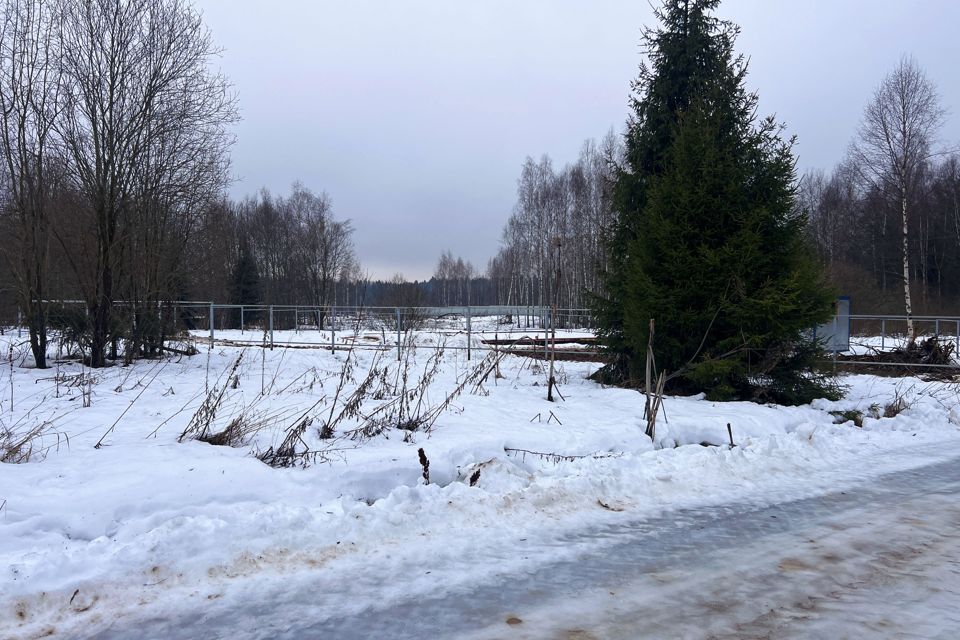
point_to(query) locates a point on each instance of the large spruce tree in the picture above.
(708, 242)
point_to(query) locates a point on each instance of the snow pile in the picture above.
(138, 527)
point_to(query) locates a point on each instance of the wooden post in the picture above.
(468, 334)
(552, 329)
(649, 372)
(654, 396)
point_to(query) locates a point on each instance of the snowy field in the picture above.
(150, 525)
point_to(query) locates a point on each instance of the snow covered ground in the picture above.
(877, 561)
(146, 527)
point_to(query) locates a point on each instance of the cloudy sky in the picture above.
(415, 115)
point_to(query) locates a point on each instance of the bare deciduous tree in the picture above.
(453, 281)
(895, 142)
(30, 100)
(145, 124)
(302, 252)
(573, 204)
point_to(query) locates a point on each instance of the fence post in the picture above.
(836, 328)
(241, 319)
(333, 329)
(398, 334)
(296, 320)
(468, 334)
(211, 325)
(19, 323)
(937, 329)
(271, 326)
(883, 334)
(547, 320)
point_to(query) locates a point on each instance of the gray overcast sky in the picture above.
(415, 115)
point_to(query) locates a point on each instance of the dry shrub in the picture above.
(293, 450)
(410, 409)
(850, 415)
(899, 403)
(199, 426)
(19, 445)
(895, 407)
(235, 434)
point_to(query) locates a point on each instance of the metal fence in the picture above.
(892, 330)
(479, 327)
(876, 334)
(341, 327)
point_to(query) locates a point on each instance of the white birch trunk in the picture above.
(908, 305)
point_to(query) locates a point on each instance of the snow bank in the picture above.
(90, 536)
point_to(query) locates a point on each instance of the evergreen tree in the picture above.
(245, 284)
(708, 242)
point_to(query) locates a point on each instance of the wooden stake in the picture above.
(647, 379)
(551, 382)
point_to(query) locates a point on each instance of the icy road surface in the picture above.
(878, 561)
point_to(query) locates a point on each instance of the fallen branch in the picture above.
(559, 457)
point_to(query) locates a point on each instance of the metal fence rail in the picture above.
(342, 327)
(258, 325)
(332, 327)
(884, 333)
(894, 327)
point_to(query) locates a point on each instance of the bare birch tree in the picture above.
(895, 142)
(573, 204)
